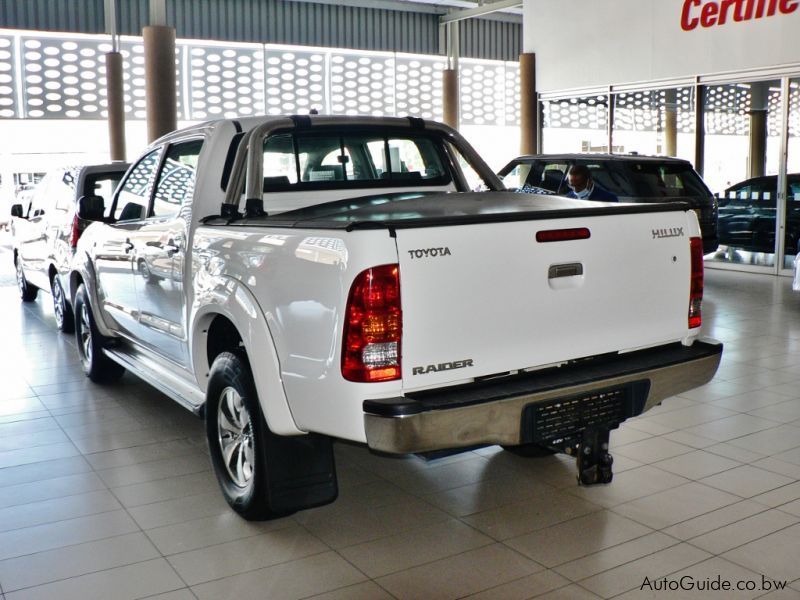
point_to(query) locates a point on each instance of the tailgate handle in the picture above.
(568, 270)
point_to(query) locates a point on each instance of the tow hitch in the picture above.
(594, 461)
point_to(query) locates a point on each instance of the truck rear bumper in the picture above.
(540, 406)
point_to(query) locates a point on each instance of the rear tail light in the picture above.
(76, 231)
(696, 286)
(373, 326)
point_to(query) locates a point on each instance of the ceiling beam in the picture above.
(479, 11)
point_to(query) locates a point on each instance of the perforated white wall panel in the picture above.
(482, 93)
(224, 81)
(295, 82)
(8, 83)
(362, 84)
(418, 89)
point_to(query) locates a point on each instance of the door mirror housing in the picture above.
(91, 208)
(16, 211)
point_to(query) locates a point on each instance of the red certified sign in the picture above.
(710, 13)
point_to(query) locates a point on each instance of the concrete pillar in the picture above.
(528, 104)
(116, 106)
(160, 84)
(759, 99)
(450, 97)
(671, 122)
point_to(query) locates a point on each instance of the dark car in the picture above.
(632, 178)
(747, 212)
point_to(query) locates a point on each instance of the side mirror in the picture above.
(91, 208)
(16, 211)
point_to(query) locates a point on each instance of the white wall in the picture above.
(586, 43)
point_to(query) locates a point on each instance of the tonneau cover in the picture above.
(428, 209)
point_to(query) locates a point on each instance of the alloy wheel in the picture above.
(235, 432)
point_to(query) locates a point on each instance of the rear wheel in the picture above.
(27, 291)
(262, 475)
(65, 319)
(97, 366)
(236, 430)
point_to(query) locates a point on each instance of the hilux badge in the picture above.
(668, 233)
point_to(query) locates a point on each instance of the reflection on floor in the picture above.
(106, 492)
(735, 256)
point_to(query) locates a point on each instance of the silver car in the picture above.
(45, 231)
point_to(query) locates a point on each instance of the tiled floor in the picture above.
(106, 492)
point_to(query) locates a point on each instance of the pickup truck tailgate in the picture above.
(488, 298)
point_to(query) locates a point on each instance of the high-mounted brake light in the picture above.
(563, 235)
(696, 286)
(373, 326)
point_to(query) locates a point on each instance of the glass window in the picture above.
(655, 122)
(516, 177)
(575, 124)
(134, 195)
(176, 179)
(330, 161)
(792, 220)
(103, 185)
(741, 162)
(64, 189)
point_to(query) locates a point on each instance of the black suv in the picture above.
(632, 178)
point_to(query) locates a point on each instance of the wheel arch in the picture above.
(231, 320)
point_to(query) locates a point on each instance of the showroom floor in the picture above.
(106, 492)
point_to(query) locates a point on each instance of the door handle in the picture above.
(170, 249)
(127, 246)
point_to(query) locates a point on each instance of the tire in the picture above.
(530, 450)
(146, 273)
(27, 291)
(97, 366)
(237, 433)
(65, 318)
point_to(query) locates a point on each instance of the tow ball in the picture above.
(594, 461)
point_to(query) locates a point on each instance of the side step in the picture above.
(160, 377)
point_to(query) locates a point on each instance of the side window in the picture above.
(280, 167)
(516, 177)
(176, 179)
(103, 185)
(64, 190)
(548, 176)
(42, 199)
(134, 195)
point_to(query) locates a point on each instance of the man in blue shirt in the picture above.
(584, 188)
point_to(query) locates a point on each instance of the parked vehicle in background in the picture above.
(632, 178)
(747, 213)
(46, 228)
(334, 277)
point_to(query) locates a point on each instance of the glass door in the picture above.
(742, 153)
(790, 225)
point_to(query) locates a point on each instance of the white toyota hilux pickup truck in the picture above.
(299, 279)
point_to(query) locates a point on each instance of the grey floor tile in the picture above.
(576, 538)
(405, 550)
(696, 465)
(13, 458)
(63, 563)
(288, 581)
(209, 531)
(523, 517)
(165, 489)
(40, 471)
(122, 583)
(57, 509)
(747, 481)
(39, 538)
(466, 574)
(774, 555)
(249, 554)
(744, 531)
(179, 510)
(360, 591)
(672, 506)
(56, 487)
